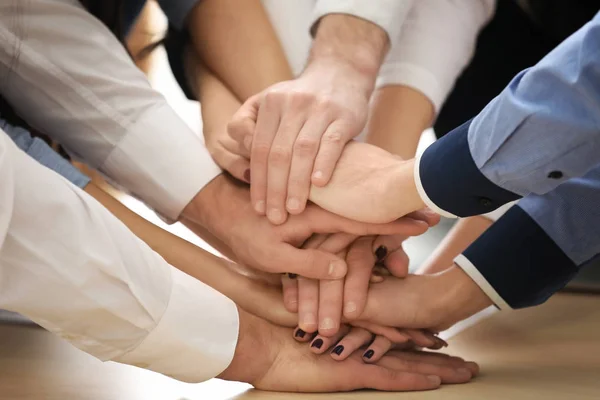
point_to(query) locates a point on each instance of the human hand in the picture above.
(296, 130)
(433, 302)
(267, 357)
(375, 186)
(224, 208)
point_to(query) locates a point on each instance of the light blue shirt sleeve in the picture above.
(544, 128)
(39, 150)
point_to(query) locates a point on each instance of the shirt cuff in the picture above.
(499, 212)
(517, 262)
(468, 267)
(449, 181)
(195, 339)
(165, 170)
(389, 15)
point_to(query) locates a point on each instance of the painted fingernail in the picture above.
(260, 207)
(248, 142)
(350, 307)
(434, 379)
(299, 333)
(247, 175)
(338, 350)
(292, 276)
(275, 215)
(381, 253)
(317, 343)
(327, 323)
(337, 269)
(368, 354)
(293, 204)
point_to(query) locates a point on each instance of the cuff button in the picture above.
(484, 201)
(555, 175)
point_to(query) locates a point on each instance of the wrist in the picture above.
(255, 352)
(351, 43)
(404, 187)
(201, 209)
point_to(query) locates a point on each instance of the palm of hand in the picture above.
(362, 185)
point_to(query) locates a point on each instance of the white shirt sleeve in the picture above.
(72, 267)
(67, 75)
(436, 42)
(389, 15)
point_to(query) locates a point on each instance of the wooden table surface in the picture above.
(550, 352)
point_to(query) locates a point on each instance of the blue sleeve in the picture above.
(39, 150)
(177, 11)
(542, 130)
(540, 244)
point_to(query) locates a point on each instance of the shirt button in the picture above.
(555, 175)
(484, 201)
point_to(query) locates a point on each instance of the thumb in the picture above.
(243, 122)
(309, 263)
(236, 165)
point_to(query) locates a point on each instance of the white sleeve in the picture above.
(68, 76)
(72, 267)
(435, 44)
(389, 15)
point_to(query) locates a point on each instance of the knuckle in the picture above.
(306, 146)
(261, 150)
(333, 137)
(279, 155)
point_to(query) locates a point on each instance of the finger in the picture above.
(331, 293)
(321, 344)
(360, 261)
(315, 241)
(388, 249)
(243, 122)
(303, 160)
(302, 336)
(309, 263)
(234, 147)
(419, 338)
(266, 128)
(379, 377)
(290, 292)
(236, 165)
(280, 160)
(334, 139)
(321, 221)
(377, 349)
(337, 242)
(426, 215)
(308, 304)
(395, 335)
(439, 359)
(355, 339)
(447, 373)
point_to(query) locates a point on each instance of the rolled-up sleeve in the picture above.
(542, 130)
(69, 77)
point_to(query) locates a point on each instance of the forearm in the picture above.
(398, 117)
(236, 41)
(248, 293)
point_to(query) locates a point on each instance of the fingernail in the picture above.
(292, 276)
(327, 323)
(349, 307)
(299, 333)
(317, 344)
(381, 253)
(368, 354)
(318, 175)
(337, 269)
(434, 379)
(260, 207)
(309, 319)
(247, 175)
(293, 204)
(338, 350)
(275, 215)
(248, 142)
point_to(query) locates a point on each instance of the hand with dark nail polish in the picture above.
(299, 333)
(338, 350)
(292, 276)
(381, 253)
(317, 343)
(368, 354)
